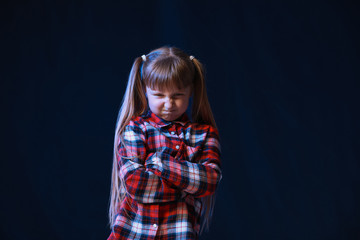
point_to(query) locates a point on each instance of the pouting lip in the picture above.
(168, 112)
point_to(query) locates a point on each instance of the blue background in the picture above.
(283, 82)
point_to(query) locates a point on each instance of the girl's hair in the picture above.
(162, 68)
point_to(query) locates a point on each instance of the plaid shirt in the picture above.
(174, 164)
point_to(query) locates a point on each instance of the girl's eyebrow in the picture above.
(174, 93)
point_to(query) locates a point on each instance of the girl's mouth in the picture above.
(168, 111)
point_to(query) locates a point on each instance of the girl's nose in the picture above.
(168, 103)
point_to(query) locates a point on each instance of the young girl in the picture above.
(166, 167)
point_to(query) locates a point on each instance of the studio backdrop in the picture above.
(283, 83)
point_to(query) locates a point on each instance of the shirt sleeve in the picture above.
(199, 179)
(142, 185)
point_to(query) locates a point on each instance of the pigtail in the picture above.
(134, 101)
(201, 113)
(133, 104)
(201, 110)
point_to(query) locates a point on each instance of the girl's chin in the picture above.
(169, 117)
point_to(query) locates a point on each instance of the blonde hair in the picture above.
(162, 68)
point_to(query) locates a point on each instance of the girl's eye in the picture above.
(174, 96)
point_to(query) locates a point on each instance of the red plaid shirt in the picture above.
(174, 164)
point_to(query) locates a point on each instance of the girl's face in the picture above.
(168, 104)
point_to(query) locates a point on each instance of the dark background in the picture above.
(283, 82)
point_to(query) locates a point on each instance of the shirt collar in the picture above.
(183, 120)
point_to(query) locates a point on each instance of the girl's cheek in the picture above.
(158, 102)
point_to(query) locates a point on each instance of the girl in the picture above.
(166, 168)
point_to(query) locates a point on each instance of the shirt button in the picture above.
(177, 146)
(172, 133)
(155, 226)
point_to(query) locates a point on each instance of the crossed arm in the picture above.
(158, 177)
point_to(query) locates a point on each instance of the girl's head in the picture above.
(167, 75)
(171, 71)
